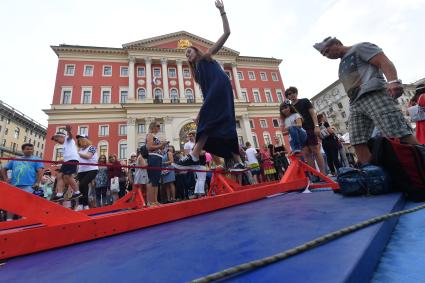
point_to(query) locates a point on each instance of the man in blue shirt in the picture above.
(26, 175)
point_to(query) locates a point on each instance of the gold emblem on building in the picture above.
(183, 44)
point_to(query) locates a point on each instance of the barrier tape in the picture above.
(128, 166)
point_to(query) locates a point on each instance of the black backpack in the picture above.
(144, 151)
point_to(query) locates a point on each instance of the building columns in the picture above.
(237, 83)
(131, 135)
(131, 87)
(180, 77)
(166, 90)
(247, 129)
(148, 63)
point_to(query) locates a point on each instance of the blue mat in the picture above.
(404, 258)
(190, 248)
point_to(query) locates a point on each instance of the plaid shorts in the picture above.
(378, 109)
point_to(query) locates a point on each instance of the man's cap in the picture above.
(320, 46)
(58, 134)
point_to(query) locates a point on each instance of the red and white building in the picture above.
(112, 94)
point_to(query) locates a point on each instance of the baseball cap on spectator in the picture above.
(82, 137)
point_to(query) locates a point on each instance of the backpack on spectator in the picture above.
(404, 162)
(144, 151)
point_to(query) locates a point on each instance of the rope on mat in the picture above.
(252, 265)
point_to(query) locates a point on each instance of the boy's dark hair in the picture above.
(26, 145)
(290, 90)
(247, 144)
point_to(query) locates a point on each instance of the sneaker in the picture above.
(57, 198)
(186, 162)
(75, 196)
(238, 167)
(86, 207)
(79, 207)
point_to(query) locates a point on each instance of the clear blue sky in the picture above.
(269, 28)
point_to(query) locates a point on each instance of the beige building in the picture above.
(16, 129)
(334, 103)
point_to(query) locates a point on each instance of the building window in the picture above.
(122, 130)
(276, 123)
(240, 76)
(254, 138)
(161, 127)
(244, 96)
(251, 124)
(122, 151)
(66, 96)
(83, 130)
(8, 121)
(141, 129)
(141, 71)
(174, 96)
(158, 96)
(3, 142)
(124, 71)
(343, 114)
(275, 77)
(238, 124)
(69, 70)
(340, 105)
(263, 124)
(141, 94)
(172, 73)
(228, 75)
(267, 139)
(189, 96)
(88, 70)
(104, 130)
(263, 76)
(123, 96)
(106, 96)
(86, 99)
(269, 97)
(186, 73)
(251, 75)
(103, 149)
(240, 139)
(16, 135)
(280, 138)
(157, 72)
(279, 96)
(107, 71)
(256, 96)
(59, 154)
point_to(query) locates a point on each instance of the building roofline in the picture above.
(22, 115)
(326, 89)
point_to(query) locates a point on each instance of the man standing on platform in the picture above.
(372, 97)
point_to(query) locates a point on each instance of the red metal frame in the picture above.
(46, 225)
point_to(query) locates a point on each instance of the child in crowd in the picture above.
(293, 125)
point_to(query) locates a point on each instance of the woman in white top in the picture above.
(86, 173)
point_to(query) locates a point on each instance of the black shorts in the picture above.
(69, 169)
(154, 175)
(312, 139)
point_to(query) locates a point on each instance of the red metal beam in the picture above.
(59, 226)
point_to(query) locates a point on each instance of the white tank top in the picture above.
(70, 151)
(93, 159)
